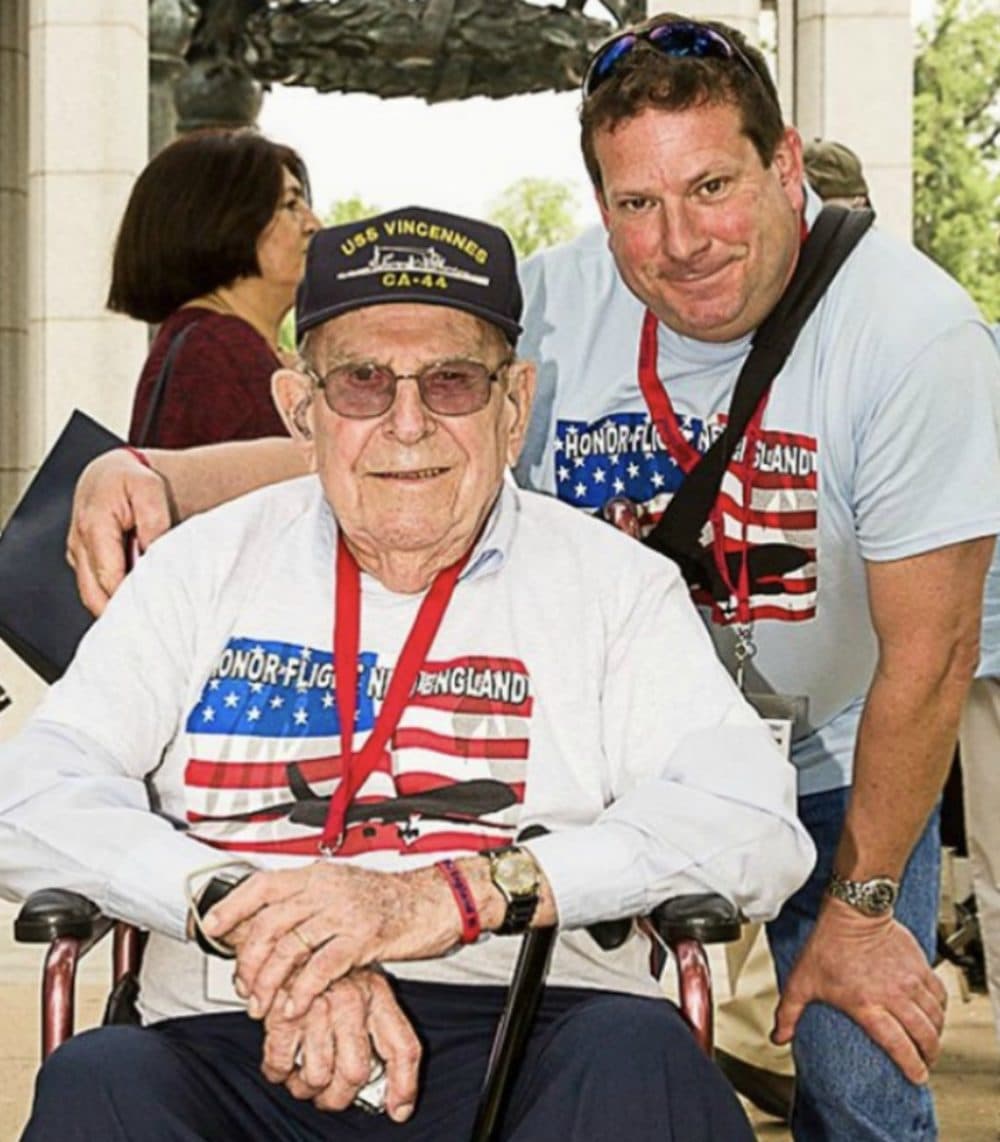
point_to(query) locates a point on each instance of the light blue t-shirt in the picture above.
(989, 646)
(879, 441)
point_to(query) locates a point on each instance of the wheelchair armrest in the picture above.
(52, 913)
(610, 934)
(704, 916)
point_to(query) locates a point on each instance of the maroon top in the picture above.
(219, 388)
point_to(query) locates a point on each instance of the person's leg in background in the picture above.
(21, 690)
(846, 1087)
(760, 1071)
(979, 747)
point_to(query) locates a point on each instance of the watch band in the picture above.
(873, 897)
(520, 912)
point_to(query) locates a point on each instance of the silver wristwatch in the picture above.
(874, 897)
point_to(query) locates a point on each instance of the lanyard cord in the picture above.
(664, 418)
(346, 640)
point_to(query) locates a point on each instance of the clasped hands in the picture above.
(305, 942)
(326, 1056)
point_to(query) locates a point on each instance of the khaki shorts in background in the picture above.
(20, 692)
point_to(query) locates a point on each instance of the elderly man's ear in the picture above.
(520, 394)
(292, 393)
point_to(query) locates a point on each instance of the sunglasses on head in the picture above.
(680, 39)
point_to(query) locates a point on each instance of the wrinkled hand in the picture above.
(114, 495)
(873, 970)
(318, 922)
(326, 1054)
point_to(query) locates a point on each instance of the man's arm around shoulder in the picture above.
(117, 495)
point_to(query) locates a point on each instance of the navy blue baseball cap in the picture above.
(412, 254)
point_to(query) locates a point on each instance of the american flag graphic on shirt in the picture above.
(264, 753)
(623, 455)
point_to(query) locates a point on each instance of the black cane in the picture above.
(516, 1019)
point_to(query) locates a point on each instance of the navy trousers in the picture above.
(599, 1067)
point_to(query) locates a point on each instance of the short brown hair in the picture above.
(646, 78)
(193, 219)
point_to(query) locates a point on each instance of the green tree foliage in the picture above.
(349, 210)
(956, 146)
(536, 212)
(286, 332)
(342, 211)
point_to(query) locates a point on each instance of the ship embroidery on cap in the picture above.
(412, 260)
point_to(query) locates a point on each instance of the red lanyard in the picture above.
(661, 412)
(346, 639)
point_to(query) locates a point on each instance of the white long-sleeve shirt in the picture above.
(571, 679)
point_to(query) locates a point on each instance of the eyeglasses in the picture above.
(360, 390)
(680, 39)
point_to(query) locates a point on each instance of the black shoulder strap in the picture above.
(833, 236)
(160, 386)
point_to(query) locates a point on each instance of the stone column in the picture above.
(760, 21)
(742, 14)
(845, 72)
(854, 83)
(15, 416)
(87, 143)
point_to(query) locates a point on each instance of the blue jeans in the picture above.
(847, 1088)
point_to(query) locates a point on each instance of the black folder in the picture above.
(41, 617)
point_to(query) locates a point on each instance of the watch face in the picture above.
(516, 872)
(880, 896)
(873, 897)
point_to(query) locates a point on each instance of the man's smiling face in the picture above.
(700, 229)
(411, 481)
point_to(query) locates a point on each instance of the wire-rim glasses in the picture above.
(361, 390)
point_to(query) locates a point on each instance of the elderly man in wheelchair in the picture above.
(309, 740)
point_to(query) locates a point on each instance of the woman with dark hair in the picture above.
(212, 244)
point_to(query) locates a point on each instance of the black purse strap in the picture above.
(160, 385)
(833, 236)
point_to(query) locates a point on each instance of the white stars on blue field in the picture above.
(275, 689)
(619, 455)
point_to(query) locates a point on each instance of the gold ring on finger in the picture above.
(305, 943)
